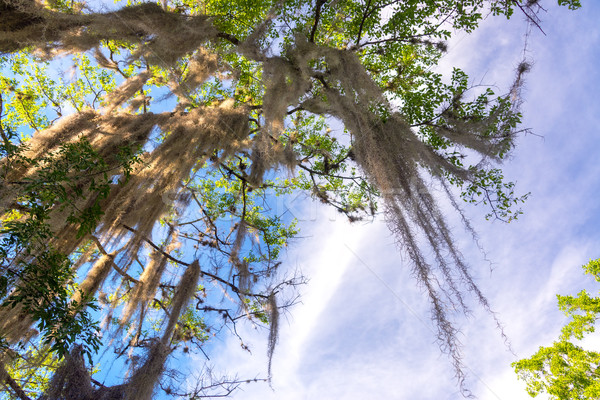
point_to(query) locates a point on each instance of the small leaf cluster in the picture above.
(489, 188)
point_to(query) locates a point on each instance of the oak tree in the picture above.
(142, 147)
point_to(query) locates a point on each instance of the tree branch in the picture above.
(362, 22)
(112, 259)
(230, 38)
(4, 376)
(529, 17)
(234, 288)
(319, 5)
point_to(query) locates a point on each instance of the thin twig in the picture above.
(529, 17)
(234, 288)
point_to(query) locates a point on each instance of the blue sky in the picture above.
(363, 330)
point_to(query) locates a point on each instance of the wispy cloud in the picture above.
(363, 329)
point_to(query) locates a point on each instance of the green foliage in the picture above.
(191, 327)
(489, 188)
(566, 370)
(572, 4)
(44, 290)
(40, 280)
(33, 369)
(257, 311)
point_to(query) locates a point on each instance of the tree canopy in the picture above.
(143, 145)
(566, 370)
